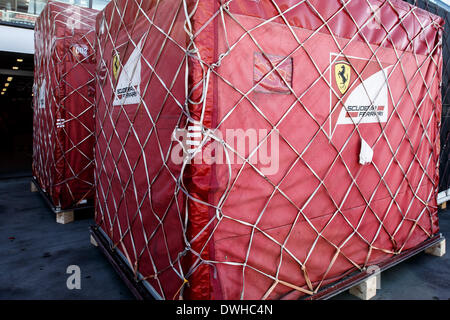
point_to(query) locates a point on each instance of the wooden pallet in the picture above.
(367, 289)
(365, 284)
(63, 216)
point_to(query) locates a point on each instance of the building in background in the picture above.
(443, 3)
(24, 12)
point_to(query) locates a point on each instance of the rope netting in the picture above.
(444, 182)
(64, 93)
(262, 149)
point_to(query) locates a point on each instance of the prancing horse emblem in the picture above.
(116, 65)
(342, 72)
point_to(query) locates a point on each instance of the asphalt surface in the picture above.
(36, 252)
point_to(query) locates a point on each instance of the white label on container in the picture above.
(128, 86)
(41, 100)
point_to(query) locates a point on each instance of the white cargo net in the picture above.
(54, 121)
(199, 136)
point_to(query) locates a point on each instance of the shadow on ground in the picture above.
(35, 251)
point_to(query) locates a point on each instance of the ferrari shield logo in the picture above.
(342, 72)
(116, 65)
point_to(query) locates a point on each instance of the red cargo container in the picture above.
(64, 93)
(254, 149)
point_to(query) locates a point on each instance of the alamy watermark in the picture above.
(74, 280)
(375, 17)
(74, 18)
(257, 147)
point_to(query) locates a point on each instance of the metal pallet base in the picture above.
(358, 277)
(88, 206)
(136, 286)
(141, 292)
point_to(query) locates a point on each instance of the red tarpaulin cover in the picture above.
(64, 92)
(261, 149)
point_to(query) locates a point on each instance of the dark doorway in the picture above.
(16, 114)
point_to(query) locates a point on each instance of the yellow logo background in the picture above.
(116, 65)
(342, 71)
